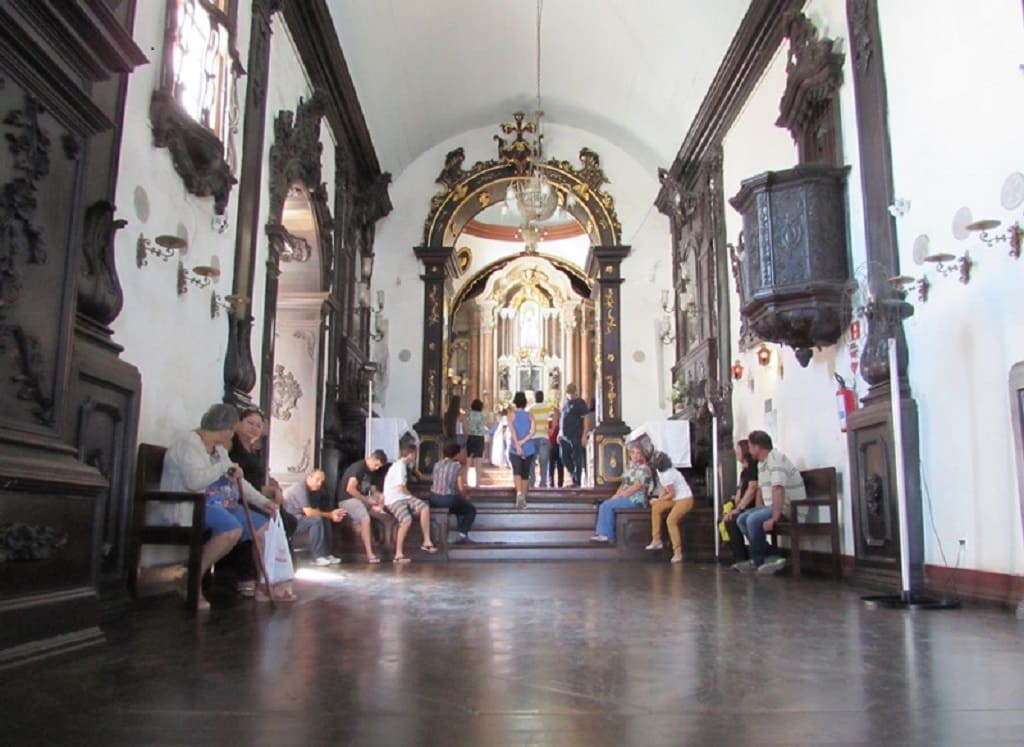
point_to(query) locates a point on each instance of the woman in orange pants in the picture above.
(674, 498)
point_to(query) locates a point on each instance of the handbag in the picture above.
(277, 558)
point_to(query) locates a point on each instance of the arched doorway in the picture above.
(468, 196)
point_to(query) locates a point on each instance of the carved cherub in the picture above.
(452, 173)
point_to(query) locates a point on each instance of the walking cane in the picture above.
(261, 567)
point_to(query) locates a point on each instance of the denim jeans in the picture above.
(543, 447)
(317, 531)
(751, 523)
(457, 505)
(572, 458)
(606, 515)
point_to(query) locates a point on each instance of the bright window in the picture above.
(201, 61)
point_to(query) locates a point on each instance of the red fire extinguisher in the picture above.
(846, 401)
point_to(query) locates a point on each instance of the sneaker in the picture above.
(655, 545)
(744, 566)
(334, 560)
(520, 501)
(771, 567)
(321, 562)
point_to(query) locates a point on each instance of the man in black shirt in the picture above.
(572, 433)
(359, 494)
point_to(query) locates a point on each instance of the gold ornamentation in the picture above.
(609, 308)
(431, 392)
(613, 463)
(463, 258)
(611, 357)
(431, 346)
(484, 198)
(518, 151)
(609, 269)
(434, 317)
(610, 396)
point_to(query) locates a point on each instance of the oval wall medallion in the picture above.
(404, 356)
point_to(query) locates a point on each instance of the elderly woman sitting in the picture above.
(198, 462)
(637, 482)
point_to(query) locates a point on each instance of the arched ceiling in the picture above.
(631, 71)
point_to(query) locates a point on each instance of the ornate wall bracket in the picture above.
(197, 153)
(794, 269)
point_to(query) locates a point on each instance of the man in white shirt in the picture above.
(780, 482)
(403, 505)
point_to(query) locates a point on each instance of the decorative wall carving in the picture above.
(197, 153)
(30, 542)
(466, 191)
(808, 110)
(295, 156)
(304, 461)
(286, 393)
(99, 289)
(308, 338)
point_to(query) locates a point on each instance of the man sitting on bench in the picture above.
(302, 500)
(780, 482)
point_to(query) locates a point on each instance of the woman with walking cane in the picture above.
(199, 462)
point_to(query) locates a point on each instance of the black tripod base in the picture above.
(910, 601)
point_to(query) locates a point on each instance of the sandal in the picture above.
(285, 596)
(373, 560)
(429, 549)
(246, 589)
(401, 559)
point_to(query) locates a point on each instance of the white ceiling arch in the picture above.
(632, 71)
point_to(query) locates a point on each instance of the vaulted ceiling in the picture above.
(631, 71)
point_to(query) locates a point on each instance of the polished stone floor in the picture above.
(536, 654)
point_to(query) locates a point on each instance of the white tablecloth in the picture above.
(386, 433)
(670, 436)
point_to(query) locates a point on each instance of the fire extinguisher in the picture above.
(846, 401)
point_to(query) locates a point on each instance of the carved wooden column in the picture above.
(604, 266)
(239, 369)
(437, 264)
(69, 405)
(870, 438)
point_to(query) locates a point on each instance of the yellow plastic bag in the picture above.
(729, 505)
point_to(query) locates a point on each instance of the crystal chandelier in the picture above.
(532, 195)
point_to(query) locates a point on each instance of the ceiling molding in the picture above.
(511, 233)
(752, 49)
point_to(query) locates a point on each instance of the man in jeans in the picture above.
(299, 501)
(541, 411)
(571, 433)
(780, 482)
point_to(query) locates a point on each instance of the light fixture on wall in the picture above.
(532, 195)
(666, 302)
(668, 335)
(377, 333)
(904, 283)
(163, 247)
(201, 276)
(737, 370)
(1012, 236)
(764, 355)
(946, 264)
(233, 304)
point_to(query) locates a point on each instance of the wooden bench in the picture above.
(633, 533)
(147, 492)
(345, 542)
(821, 487)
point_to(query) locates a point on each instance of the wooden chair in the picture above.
(147, 491)
(820, 485)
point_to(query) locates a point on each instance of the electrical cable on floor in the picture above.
(951, 583)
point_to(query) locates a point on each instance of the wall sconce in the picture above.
(947, 263)
(900, 207)
(201, 276)
(665, 305)
(903, 283)
(233, 304)
(737, 370)
(764, 355)
(377, 333)
(668, 335)
(1012, 236)
(163, 247)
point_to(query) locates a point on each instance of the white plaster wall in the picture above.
(177, 347)
(397, 272)
(795, 405)
(955, 107)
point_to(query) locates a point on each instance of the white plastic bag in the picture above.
(276, 556)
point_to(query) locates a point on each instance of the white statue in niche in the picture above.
(529, 325)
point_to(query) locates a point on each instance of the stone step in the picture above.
(533, 519)
(531, 551)
(530, 536)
